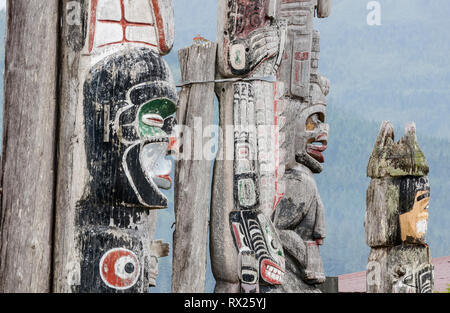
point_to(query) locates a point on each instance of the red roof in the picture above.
(356, 282)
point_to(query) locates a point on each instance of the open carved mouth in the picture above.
(316, 146)
(271, 272)
(156, 163)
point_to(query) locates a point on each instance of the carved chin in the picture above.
(421, 227)
(316, 155)
(163, 181)
(310, 162)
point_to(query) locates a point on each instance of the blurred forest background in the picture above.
(399, 71)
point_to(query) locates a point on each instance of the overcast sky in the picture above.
(2, 4)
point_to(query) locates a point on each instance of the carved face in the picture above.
(311, 137)
(253, 231)
(151, 132)
(414, 200)
(130, 101)
(407, 280)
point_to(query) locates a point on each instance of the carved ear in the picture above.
(410, 135)
(385, 136)
(384, 142)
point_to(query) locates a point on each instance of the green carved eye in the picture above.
(152, 115)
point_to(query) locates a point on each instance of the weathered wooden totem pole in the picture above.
(117, 108)
(397, 215)
(246, 250)
(300, 214)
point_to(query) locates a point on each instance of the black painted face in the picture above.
(130, 102)
(150, 130)
(252, 231)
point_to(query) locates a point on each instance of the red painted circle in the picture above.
(120, 269)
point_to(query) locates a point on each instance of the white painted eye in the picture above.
(153, 120)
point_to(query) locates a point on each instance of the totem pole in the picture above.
(397, 215)
(118, 105)
(300, 214)
(246, 252)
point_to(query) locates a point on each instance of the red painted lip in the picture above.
(316, 151)
(265, 272)
(166, 177)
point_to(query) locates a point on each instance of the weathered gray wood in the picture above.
(388, 269)
(396, 159)
(29, 146)
(224, 256)
(192, 180)
(397, 215)
(381, 221)
(104, 204)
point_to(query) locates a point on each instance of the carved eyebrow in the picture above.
(425, 195)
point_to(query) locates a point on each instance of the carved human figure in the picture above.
(129, 105)
(300, 216)
(246, 250)
(414, 200)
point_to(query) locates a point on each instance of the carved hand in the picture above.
(159, 249)
(263, 43)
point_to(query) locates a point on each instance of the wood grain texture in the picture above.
(381, 220)
(105, 206)
(193, 182)
(224, 256)
(29, 146)
(388, 267)
(397, 214)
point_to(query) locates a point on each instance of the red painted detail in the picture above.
(248, 15)
(93, 20)
(302, 56)
(123, 23)
(108, 269)
(172, 142)
(166, 177)
(265, 264)
(277, 197)
(160, 27)
(311, 244)
(237, 236)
